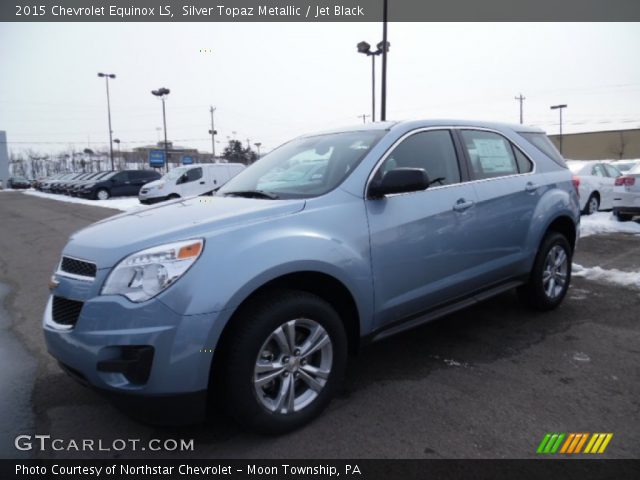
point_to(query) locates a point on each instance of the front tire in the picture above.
(622, 217)
(285, 357)
(551, 274)
(103, 194)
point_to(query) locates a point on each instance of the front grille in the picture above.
(78, 267)
(65, 311)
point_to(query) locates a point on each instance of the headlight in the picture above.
(145, 274)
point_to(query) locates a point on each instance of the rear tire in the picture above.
(272, 385)
(593, 204)
(551, 274)
(173, 196)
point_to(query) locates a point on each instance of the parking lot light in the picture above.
(364, 48)
(560, 108)
(162, 93)
(108, 76)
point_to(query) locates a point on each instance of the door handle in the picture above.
(462, 204)
(202, 183)
(531, 187)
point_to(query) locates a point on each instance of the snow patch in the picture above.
(605, 222)
(120, 203)
(615, 276)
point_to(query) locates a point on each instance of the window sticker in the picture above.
(494, 156)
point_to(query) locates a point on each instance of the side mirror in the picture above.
(400, 180)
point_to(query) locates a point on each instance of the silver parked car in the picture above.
(256, 296)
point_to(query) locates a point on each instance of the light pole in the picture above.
(365, 49)
(258, 145)
(385, 17)
(560, 108)
(162, 93)
(521, 99)
(108, 76)
(117, 142)
(213, 133)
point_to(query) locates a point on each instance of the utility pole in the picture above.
(364, 117)
(521, 99)
(213, 132)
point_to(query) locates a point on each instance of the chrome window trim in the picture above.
(450, 128)
(83, 278)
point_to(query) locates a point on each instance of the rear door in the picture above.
(508, 192)
(604, 185)
(422, 243)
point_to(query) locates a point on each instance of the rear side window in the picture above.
(491, 155)
(598, 171)
(612, 171)
(432, 151)
(542, 143)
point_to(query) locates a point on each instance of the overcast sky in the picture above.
(273, 81)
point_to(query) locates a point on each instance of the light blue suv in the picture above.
(256, 297)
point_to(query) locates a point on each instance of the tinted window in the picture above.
(432, 151)
(121, 177)
(193, 174)
(491, 155)
(524, 164)
(542, 143)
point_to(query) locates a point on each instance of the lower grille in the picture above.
(65, 311)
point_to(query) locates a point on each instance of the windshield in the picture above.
(175, 173)
(305, 167)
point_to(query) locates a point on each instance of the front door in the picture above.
(422, 243)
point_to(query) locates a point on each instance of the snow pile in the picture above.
(605, 222)
(120, 203)
(615, 276)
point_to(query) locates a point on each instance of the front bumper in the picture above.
(109, 328)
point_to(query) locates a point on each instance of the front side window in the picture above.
(491, 155)
(433, 151)
(304, 167)
(193, 174)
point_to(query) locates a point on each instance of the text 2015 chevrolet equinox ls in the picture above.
(255, 295)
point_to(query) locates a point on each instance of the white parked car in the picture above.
(595, 181)
(625, 165)
(189, 181)
(626, 195)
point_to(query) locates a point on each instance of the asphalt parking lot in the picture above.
(487, 382)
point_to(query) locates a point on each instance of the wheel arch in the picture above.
(326, 286)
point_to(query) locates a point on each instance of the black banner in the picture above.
(299, 469)
(317, 10)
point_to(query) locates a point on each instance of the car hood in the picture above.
(153, 184)
(109, 240)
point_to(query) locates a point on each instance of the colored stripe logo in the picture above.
(572, 443)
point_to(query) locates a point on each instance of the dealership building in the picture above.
(605, 145)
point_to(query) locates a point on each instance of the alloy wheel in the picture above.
(554, 275)
(293, 366)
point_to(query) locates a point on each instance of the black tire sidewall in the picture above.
(256, 322)
(535, 289)
(587, 210)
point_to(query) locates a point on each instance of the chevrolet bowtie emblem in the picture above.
(53, 283)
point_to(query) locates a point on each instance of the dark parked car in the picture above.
(74, 187)
(18, 182)
(118, 184)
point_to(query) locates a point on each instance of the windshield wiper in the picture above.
(253, 194)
